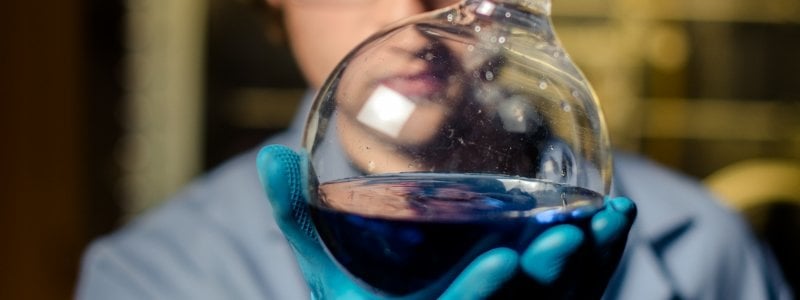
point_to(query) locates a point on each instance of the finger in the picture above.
(545, 258)
(281, 175)
(607, 226)
(613, 222)
(484, 275)
(624, 206)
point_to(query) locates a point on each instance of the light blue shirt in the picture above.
(217, 240)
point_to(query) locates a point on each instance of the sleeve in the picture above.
(214, 240)
(161, 262)
(106, 275)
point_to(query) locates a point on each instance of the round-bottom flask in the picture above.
(455, 132)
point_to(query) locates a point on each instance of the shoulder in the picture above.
(215, 239)
(687, 238)
(665, 196)
(676, 208)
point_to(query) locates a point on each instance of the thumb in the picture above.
(281, 172)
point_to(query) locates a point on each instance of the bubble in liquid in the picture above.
(508, 15)
(501, 39)
(450, 17)
(477, 28)
(489, 75)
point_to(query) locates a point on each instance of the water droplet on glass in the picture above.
(477, 28)
(508, 15)
(489, 75)
(450, 17)
(565, 106)
(543, 85)
(501, 39)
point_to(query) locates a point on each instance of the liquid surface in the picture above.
(407, 233)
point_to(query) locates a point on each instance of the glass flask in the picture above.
(446, 135)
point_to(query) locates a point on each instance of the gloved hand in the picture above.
(548, 266)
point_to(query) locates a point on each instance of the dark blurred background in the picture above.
(109, 106)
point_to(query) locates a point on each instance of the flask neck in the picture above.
(533, 16)
(538, 7)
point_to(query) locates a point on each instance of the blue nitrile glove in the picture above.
(542, 265)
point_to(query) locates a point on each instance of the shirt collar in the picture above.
(663, 199)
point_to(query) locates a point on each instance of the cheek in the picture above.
(320, 41)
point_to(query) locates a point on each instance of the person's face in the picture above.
(322, 32)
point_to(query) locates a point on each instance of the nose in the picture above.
(391, 11)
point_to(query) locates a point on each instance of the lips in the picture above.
(420, 85)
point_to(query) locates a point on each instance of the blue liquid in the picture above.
(407, 233)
